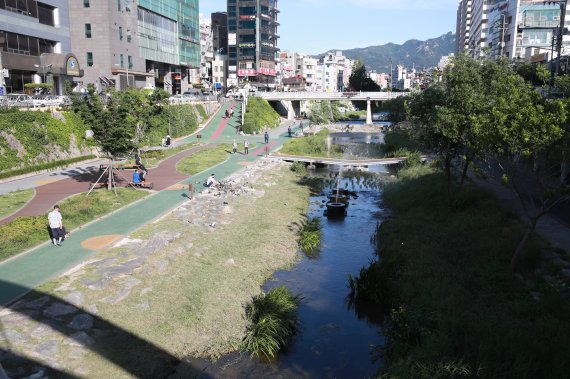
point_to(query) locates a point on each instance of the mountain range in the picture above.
(421, 54)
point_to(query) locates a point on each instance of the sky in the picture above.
(316, 26)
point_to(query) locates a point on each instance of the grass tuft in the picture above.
(273, 323)
(310, 236)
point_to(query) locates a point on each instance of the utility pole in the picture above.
(560, 36)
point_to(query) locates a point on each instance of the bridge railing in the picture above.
(304, 95)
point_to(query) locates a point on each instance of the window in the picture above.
(90, 59)
(45, 14)
(87, 30)
(122, 60)
(85, 3)
(130, 60)
(128, 35)
(119, 5)
(121, 33)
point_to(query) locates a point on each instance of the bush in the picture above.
(273, 323)
(176, 120)
(312, 146)
(299, 169)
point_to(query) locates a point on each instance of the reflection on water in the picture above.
(336, 338)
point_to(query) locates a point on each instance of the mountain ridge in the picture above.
(413, 52)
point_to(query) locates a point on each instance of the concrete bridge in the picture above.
(291, 101)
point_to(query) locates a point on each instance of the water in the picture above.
(334, 341)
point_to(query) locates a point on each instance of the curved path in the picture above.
(23, 272)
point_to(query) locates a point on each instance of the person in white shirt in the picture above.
(56, 225)
(212, 182)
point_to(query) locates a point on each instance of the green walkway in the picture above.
(35, 267)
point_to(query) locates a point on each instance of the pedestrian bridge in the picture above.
(353, 96)
(338, 161)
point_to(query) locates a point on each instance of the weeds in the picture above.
(310, 237)
(273, 323)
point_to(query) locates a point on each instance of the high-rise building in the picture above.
(150, 43)
(252, 42)
(515, 29)
(35, 45)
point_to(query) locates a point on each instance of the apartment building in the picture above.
(252, 42)
(35, 45)
(150, 43)
(334, 71)
(515, 29)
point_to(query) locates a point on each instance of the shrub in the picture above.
(299, 168)
(273, 323)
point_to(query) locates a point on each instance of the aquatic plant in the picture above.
(299, 168)
(310, 236)
(273, 318)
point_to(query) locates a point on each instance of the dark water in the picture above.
(334, 341)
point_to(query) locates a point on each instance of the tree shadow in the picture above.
(135, 355)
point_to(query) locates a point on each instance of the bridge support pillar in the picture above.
(368, 112)
(290, 110)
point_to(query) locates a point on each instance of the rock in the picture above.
(227, 210)
(92, 309)
(144, 305)
(42, 331)
(35, 304)
(83, 321)
(161, 264)
(59, 309)
(81, 339)
(131, 283)
(104, 262)
(98, 284)
(118, 297)
(48, 348)
(14, 338)
(146, 290)
(75, 298)
(230, 261)
(14, 319)
(37, 375)
(197, 254)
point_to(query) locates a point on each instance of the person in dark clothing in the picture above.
(138, 162)
(289, 131)
(266, 137)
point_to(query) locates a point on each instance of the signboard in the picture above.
(267, 71)
(218, 85)
(247, 72)
(2, 91)
(72, 66)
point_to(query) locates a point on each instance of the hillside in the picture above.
(422, 54)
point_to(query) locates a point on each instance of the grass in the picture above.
(26, 232)
(11, 202)
(196, 305)
(273, 323)
(204, 159)
(152, 158)
(310, 236)
(312, 146)
(456, 312)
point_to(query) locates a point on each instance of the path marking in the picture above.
(100, 242)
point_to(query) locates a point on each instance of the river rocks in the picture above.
(34, 304)
(81, 338)
(83, 321)
(48, 348)
(75, 298)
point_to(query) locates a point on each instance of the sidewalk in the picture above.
(33, 268)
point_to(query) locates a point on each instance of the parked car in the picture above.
(46, 101)
(194, 93)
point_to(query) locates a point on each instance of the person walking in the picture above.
(245, 147)
(266, 137)
(56, 225)
(234, 147)
(289, 131)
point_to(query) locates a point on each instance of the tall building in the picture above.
(35, 45)
(150, 43)
(515, 29)
(252, 42)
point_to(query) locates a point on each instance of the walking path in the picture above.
(30, 269)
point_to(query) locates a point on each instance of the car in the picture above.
(196, 93)
(46, 101)
(176, 99)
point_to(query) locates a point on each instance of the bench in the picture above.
(146, 185)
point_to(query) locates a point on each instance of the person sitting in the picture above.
(137, 177)
(212, 181)
(168, 141)
(138, 162)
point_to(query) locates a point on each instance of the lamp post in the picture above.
(120, 65)
(43, 70)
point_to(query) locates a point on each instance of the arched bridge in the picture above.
(291, 101)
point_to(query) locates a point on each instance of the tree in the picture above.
(449, 115)
(521, 126)
(360, 81)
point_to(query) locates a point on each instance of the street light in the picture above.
(43, 70)
(120, 65)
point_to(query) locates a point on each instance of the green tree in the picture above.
(360, 81)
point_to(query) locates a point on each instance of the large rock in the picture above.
(83, 321)
(59, 309)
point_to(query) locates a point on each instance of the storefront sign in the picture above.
(247, 72)
(267, 71)
(72, 66)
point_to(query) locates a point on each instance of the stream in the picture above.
(335, 340)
